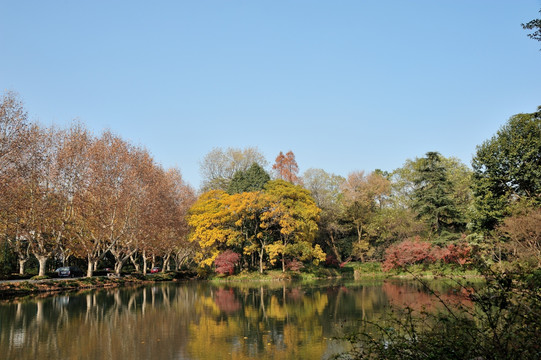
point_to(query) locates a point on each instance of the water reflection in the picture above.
(196, 320)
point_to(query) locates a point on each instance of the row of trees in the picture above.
(67, 193)
(493, 206)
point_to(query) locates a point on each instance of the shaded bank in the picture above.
(11, 289)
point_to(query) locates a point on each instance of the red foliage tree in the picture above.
(226, 261)
(286, 167)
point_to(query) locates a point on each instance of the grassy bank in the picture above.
(352, 270)
(45, 284)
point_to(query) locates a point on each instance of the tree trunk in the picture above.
(144, 264)
(333, 247)
(135, 264)
(90, 268)
(359, 233)
(42, 264)
(166, 262)
(22, 262)
(118, 267)
(261, 253)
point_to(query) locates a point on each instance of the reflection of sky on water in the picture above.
(196, 320)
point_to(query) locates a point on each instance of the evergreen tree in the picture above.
(253, 179)
(507, 169)
(433, 196)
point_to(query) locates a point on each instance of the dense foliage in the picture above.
(507, 170)
(253, 179)
(276, 223)
(71, 196)
(226, 262)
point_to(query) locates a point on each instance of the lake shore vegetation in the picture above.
(69, 197)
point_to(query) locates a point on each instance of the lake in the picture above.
(202, 320)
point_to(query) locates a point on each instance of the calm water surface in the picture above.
(199, 320)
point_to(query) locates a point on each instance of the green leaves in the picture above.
(253, 179)
(433, 195)
(507, 168)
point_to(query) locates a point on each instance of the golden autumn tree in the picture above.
(292, 219)
(221, 221)
(280, 222)
(247, 212)
(212, 226)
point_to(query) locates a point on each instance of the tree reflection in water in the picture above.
(196, 320)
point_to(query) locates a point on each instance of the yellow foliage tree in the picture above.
(293, 218)
(246, 210)
(212, 225)
(280, 220)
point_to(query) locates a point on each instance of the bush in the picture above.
(408, 252)
(332, 261)
(162, 276)
(457, 254)
(204, 272)
(294, 265)
(138, 276)
(411, 252)
(226, 261)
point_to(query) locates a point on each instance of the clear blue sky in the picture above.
(346, 85)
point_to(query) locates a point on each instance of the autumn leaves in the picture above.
(68, 194)
(277, 223)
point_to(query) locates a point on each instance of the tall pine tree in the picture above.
(432, 196)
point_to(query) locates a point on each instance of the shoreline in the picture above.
(23, 288)
(10, 290)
